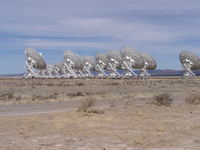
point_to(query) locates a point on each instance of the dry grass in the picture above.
(193, 99)
(44, 97)
(86, 106)
(76, 94)
(10, 95)
(7, 95)
(162, 100)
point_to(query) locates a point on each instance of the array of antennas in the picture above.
(103, 65)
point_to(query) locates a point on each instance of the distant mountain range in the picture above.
(158, 72)
(12, 75)
(169, 72)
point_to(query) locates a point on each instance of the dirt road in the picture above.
(41, 108)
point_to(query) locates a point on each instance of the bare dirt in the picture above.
(100, 114)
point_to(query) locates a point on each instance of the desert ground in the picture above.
(161, 113)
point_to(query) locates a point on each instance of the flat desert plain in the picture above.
(161, 113)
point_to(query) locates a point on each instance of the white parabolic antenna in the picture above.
(76, 59)
(113, 55)
(101, 64)
(90, 61)
(190, 56)
(114, 63)
(101, 57)
(40, 64)
(134, 55)
(151, 62)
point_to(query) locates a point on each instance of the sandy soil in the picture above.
(99, 114)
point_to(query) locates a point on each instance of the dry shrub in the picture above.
(10, 95)
(95, 111)
(86, 106)
(19, 97)
(80, 84)
(193, 99)
(50, 84)
(115, 83)
(44, 97)
(162, 100)
(76, 94)
(7, 96)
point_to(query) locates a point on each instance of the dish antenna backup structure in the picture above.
(101, 65)
(149, 64)
(189, 61)
(35, 64)
(114, 60)
(71, 61)
(132, 59)
(88, 66)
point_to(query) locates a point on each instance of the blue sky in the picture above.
(160, 28)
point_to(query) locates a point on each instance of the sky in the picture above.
(161, 28)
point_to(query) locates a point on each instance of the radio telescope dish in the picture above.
(73, 63)
(149, 60)
(114, 63)
(37, 57)
(135, 55)
(76, 59)
(101, 57)
(88, 65)
(189, 61)
(114, 55)
(150, 64)
(35, 64)
(101, 64)
(78, 63)
(186, 55)
(132, 59)
(90, 60)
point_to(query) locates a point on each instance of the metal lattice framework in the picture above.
(76, 59)
(35, 64)
(150, 64)
(132, 59)
(149, 60)
(189, 61)
(101, 57)
(89, 65)
(114, 62)
(89, 60)
(101, 65)
(37, 57)
(114, 55)
(70, 64)
(134, 55)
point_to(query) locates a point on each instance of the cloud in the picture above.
(63, 44)
(136, 21)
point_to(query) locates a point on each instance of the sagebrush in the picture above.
(163, 99)
(193, 99)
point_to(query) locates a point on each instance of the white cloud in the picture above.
(78, 18)
(60, 44)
